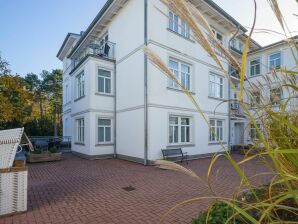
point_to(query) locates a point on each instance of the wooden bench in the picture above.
(172, 153)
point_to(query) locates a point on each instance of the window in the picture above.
(275, 96)
(80, 85)
(216, 132)
(104, 81)
(253, 132)
(275, 61)
(182, 73)
(255, 67)
(218, 35)
(80, 135)
(215, 85)
(179, 26)
(179, 130)
(255, 99)
(104, 130)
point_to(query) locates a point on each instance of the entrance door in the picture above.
(239, 134)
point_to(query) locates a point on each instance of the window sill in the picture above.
(179, 90)
(104, 94)
(104, 144)
(180, 145)
(77, 99)
(79, 143)
(254, 76)
(217, 143)
(180, 35)
(216, 98)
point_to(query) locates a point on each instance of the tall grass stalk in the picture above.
(277, 135)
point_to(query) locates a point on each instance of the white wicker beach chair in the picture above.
(9, 142)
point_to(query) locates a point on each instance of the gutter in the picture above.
(115, 112)
(145, 84)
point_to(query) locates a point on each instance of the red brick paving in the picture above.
(81, 191)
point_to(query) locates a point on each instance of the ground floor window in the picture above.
(104, 130)
(179, 130)
(80, 135)
(253, 132)
(216, 132)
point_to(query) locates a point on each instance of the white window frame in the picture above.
(254, 67)
(80, 85)
(80, 130)
(177, 25)
(216, 85)
(217, 138)
(179, 73)
(253, 132)
(269, 61)
(105, 129)
(104, 81)
(180, 127)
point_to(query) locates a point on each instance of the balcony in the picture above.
(235, 109)
(102, 50)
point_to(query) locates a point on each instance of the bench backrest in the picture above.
(169, 152)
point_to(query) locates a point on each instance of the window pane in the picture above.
(104, 73)
(104, 122)
(171, 137)
(187, 134)
(175, 134)
(185, 68)
(212, 122)
(100, 84)
(101, 134)
(183, 134)
(176, 23)
(219, 123)
(108, 134)
(174, 120)
(185, 121)
(108, 85)
(173, 65)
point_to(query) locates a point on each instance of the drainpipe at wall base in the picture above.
(145, 84)
(115, 113)
(229, 96)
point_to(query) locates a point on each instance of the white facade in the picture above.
(117, 104)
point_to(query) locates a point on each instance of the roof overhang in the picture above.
(103, 18)
(67, 43)
(215, 12)
(279, 43)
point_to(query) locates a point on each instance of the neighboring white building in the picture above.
(117, 104)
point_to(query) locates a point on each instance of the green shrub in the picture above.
(219, 213)
(54, 149)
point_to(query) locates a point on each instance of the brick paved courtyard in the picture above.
(80, 191)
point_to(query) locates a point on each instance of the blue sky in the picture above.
(32, 31)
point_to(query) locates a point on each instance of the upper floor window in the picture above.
(275, 96)
(182, 72)
(80, 134)
(179, 130)
(255, 99)
(216, 132)
(218, 35)
(255, 67)
(104, 130)
(216, 85)
(178, 25)
(104, 81)
(275, 61)
(80, 80)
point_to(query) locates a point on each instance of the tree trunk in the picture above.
(55, 121)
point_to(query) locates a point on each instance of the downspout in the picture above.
(145, 84)
(229, 96)
(115, 112)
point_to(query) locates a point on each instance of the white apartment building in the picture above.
(116, 104)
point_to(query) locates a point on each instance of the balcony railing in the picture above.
(102, 49)
(236, 110)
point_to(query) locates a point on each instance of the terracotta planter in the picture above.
(44, 157)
